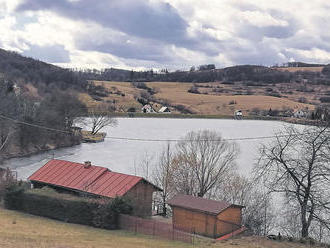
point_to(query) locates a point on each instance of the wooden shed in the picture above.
(205, 217)
(82, 179)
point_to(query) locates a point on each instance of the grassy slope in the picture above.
(18, 230)
(295, 69)
(176, 93)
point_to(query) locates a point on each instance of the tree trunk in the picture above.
(304, 230)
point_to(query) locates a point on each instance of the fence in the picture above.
(155, 228)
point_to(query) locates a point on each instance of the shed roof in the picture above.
(94, 179)
(200, 204)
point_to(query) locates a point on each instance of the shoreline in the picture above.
(219, 117)
(36, 152)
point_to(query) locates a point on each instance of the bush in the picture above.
(194, 90)
(13, 196)
(302, 99)
(140, 85)
(183, 109)
(325, 99)
(131, 109)
(65, 207)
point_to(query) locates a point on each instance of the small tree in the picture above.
(7, 178)
(202, 160)
(162, 176)
(259, 213)
(100, 118)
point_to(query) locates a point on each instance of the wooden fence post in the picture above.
(153, 228)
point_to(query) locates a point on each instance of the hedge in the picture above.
(64, 207)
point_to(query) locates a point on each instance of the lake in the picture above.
(126, 155)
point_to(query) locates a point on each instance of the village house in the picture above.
(238, 114)
(301, 114)
(164, 109)
(148, 109)
(205, 217)
(96, 181)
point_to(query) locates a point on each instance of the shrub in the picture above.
(194, 90)
(131, 109)
(140, 85)
(232, 102)
(183, 109)
(302, 99)
(325, 99)
(13, 196)
(98, 212)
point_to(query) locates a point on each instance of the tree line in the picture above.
(208, 73)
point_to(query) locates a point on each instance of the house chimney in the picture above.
(87, 164)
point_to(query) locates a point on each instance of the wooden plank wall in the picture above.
(191, 221)
(207, 224)
(229, 220)
(141, 195)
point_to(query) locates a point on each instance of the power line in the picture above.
(148, 140)
(178, 140)
(33, 125)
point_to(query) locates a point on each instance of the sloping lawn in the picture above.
(19, 230)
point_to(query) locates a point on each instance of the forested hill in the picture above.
(246, 73)
(46, 77)
(35, 94)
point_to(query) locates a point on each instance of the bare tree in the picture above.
(298, 165)
(145, 165)
(100, 118)
(202, 160)
(162, 176)
(259, 214)
(7, 177)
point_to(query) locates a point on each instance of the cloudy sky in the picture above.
(173, 34)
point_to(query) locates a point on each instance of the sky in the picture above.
(173, 34)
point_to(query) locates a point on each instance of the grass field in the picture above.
(206, 103)
(18, 230)
(295, 69)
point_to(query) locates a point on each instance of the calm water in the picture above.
(126, 156)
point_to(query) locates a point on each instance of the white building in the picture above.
(148, 109)
(301, 114)
(238, 114)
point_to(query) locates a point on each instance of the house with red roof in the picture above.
(206, 217)
(97, 181)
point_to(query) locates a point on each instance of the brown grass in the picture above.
(211, 104)
(18, 230)
(295, 69)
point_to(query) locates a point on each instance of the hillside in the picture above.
(211, 99)
(37, 77)
(20, 230)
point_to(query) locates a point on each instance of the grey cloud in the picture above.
(136, 18)
(51, 54)
(139, 17)
(125, 47)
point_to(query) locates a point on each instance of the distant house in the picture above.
(164, 109)
(148, 109)
(96, 181)
(238, 114)
(206, 217)
(301, 113)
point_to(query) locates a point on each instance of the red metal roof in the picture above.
(200, 204)
(94, 179)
